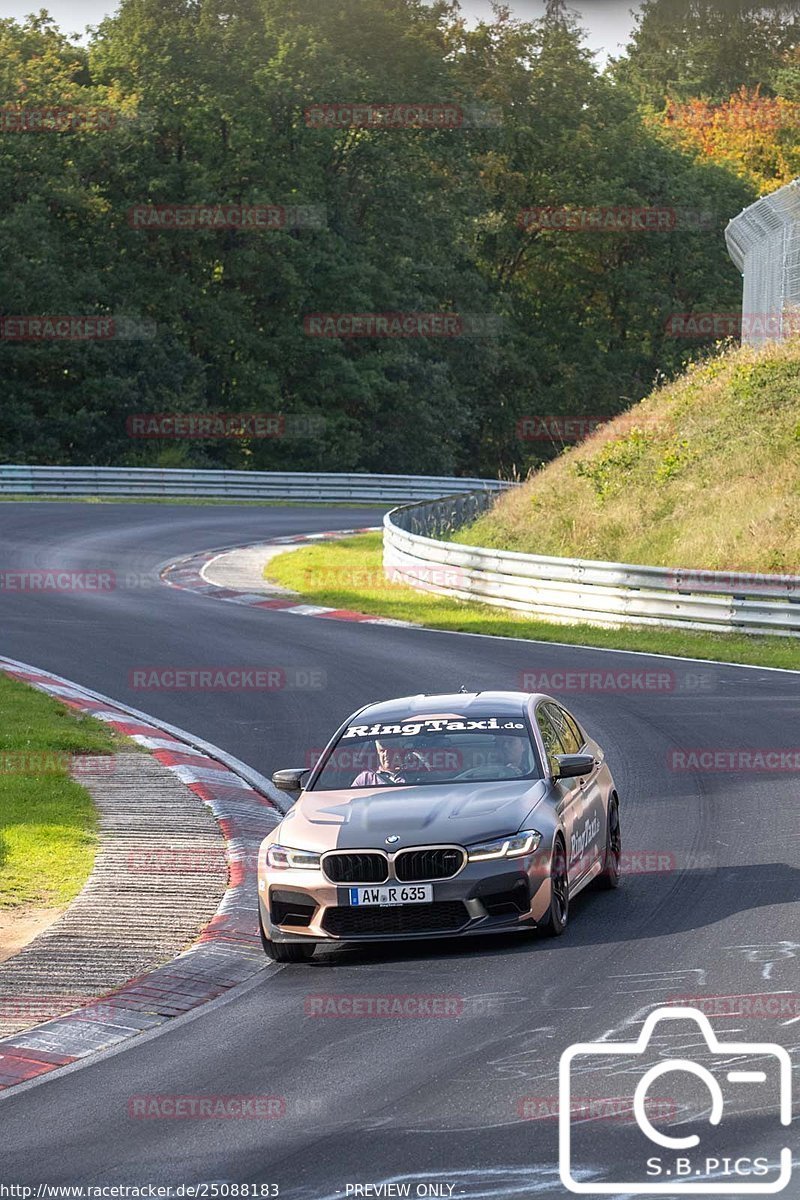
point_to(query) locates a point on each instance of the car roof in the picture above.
(467, 704)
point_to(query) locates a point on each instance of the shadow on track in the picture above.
(650, 906)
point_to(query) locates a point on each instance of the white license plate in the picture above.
(418, 893)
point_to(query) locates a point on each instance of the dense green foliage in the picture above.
(712, 48)
(210, 98)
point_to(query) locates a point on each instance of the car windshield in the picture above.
(442, 750)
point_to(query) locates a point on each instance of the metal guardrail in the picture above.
(764, 243)
(579, 591)
(307, 486)
(560, 589)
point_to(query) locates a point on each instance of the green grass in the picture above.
(349, 574)
(47, 820)
(193, 500)
(704, 473)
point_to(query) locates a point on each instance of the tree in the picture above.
(588, 310)
(757, 136)
(555, 12)
(683, 49)
(211, 99)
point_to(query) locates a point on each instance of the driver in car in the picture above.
(388, 763)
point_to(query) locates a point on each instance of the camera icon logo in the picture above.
(677, 1171)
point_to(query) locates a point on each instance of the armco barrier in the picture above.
(571, 590)
(306, 486)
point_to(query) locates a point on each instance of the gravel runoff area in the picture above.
(237, 575)
(167, 920)
(243, 570)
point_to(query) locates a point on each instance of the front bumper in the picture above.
(499, 895)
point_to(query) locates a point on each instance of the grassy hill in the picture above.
(705, 472)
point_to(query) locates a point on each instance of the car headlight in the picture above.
(281, 858)
(524, 842)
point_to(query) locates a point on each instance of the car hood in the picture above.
(360, 818)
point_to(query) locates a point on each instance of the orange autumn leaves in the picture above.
(759, 136)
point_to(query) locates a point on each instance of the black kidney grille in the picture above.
(447, 916)
(356, 868)
(412, 866)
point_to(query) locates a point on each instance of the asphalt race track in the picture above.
(419, 1100)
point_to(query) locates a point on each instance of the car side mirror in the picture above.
(570, 766)
(290, 779)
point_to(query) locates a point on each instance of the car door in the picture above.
(569, 798)
(589, 826)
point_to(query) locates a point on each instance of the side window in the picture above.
(575, 727)
(565, 728)
(552, 742)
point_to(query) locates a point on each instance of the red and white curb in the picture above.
(227, 952)
(187, 574)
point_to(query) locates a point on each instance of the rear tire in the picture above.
(555, 921)
(285, 952)
(610, 876)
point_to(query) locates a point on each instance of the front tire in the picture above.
(612, 867)
(285, 952)
(555, 922)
